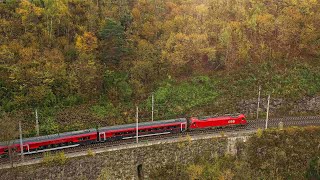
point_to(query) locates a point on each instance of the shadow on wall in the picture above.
(140, 172)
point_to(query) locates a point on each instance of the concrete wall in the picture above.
(124, 164)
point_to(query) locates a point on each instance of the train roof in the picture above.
(52, 136)
(144, 124)
(220, 116)
(74, 133)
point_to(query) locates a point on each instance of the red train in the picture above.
(113, 133)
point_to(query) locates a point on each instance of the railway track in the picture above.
(252, 125)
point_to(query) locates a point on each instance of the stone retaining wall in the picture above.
(134, 163)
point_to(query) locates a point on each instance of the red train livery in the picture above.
(114, 133)
(217, 121)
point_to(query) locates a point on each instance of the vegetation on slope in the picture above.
(89, 63)
(292, 153)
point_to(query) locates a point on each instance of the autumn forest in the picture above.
(84, 64)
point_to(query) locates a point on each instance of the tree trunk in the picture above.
(50, 28)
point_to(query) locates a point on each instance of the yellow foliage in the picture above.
(59, 158)
(202, 9)
(136, 13)
(226, 175)
(259, 132)
(26, 8)
(91, 153)
(86, 43)
(195, 171)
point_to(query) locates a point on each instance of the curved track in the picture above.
(252, 125)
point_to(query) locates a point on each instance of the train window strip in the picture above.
(84, 138)
(147, 130)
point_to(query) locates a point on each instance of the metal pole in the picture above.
(258, 102)
(21, 144)
(152, 107)
(137, 132)
(267, 118)
(37, 123)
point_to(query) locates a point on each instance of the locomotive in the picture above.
(120, 132)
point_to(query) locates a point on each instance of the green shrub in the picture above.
(173, 99)
(58, 158)
(47, 158)
(99, 111)
(117, 85)
(259, 133)
(104, 110)
(48, 126)
(72, 100)
(313, 171)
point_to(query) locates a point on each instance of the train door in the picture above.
(26, 148)
(102, 136)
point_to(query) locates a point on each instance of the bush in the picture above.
(259, 133)
(313, 171)
(58, 158)
(49, 126)
(104, 174)
(195, 171)
(117, 85)
(72, 100)
(174, 99)
(104, 110)
(91, 153)
(47, 158)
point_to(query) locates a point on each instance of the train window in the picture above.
(84, 138)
